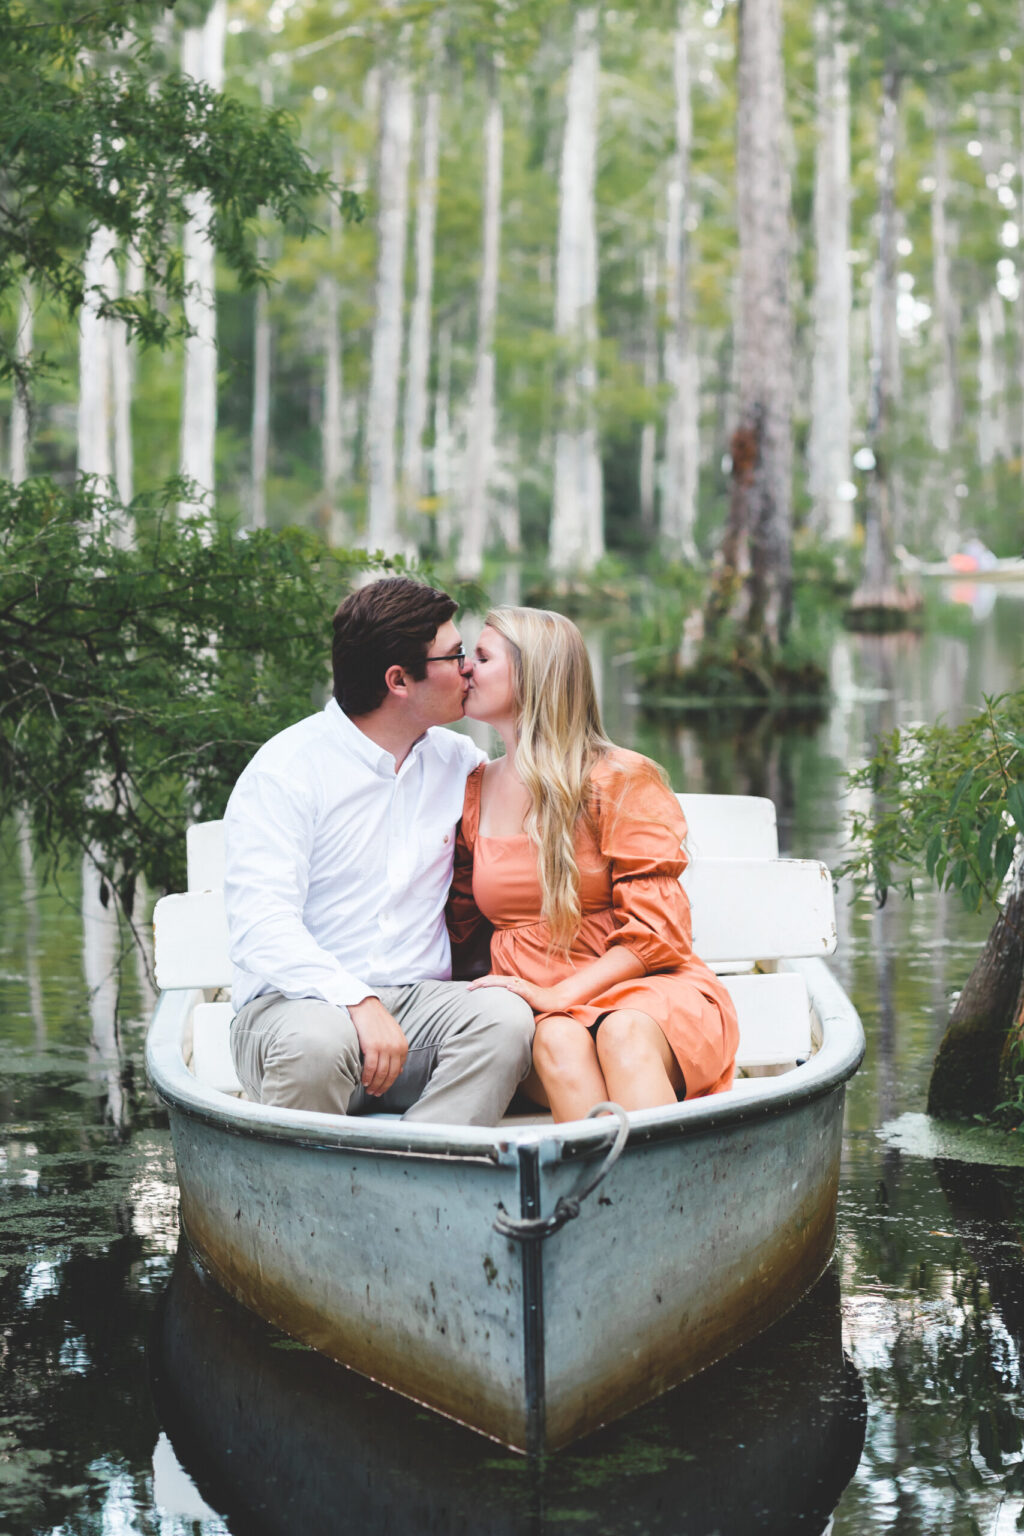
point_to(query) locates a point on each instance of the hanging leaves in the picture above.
(945, 799)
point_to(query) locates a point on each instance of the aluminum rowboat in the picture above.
(375, 1240)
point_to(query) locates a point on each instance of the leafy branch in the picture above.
(136, 683)
(945, 801)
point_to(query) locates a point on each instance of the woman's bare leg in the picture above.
(565, 1059)
(637, 1062)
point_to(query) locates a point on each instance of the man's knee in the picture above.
(508, 1018)
(312, 1047)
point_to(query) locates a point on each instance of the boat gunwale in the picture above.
(836, 1061)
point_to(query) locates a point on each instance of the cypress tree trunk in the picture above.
(382, 530)
(418, 370)
(682, 446)
(753, 580)
(577, 516)
(261, 363)
(20, 408)
(122, 375)
(444, 438)
(881, 601)
(945, 412)
(649, 432)
(95, 422)
(828, 448)
(986, 430)
(261, 350)
(481, 444)
(202, 58)
(333, 457)
(966, 1076)
(944, 304)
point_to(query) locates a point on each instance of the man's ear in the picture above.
(395, 680)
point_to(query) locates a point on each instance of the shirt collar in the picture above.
(358, 743)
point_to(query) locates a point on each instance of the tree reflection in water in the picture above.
(934, 1302)
(930, 1256)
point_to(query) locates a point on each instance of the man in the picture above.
(339, 840)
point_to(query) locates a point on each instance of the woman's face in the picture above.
(491, 695)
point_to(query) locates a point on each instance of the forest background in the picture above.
(551, 249)
(708, 291)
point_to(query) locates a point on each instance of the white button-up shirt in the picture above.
(337, 868)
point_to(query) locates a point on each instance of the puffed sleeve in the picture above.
(468, 929)
(641, 830)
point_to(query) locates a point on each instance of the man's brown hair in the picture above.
(389, 623)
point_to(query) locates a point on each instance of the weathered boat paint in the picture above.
(373, 1240)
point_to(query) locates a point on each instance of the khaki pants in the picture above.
(468, 1052)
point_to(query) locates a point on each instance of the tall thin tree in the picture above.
(481, 445)
(202, 57)
(21, 418)
(753, 582)
(881, 600)
(383, 531)
(417, 372)
(682, 427)
(577, 516)
(828, 447)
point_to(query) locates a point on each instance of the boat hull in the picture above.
(280, 1439)
(375, 1242)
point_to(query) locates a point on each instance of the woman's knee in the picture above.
(561, 1045)
(627, 1037)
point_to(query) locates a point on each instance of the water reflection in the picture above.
(930, 1254)
(933, 1278)
(279, 1439)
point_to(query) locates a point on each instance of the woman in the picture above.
(571, 848)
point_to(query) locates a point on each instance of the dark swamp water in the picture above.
(134, 1398)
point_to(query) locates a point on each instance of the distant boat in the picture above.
(969, 564)
(466, 1267)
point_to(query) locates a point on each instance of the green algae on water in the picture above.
(959, 1140)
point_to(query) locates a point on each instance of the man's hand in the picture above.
(382, 1043)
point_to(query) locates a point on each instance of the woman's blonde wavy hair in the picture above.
(560, 738)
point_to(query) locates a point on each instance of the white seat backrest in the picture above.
(204, 852)
(718, 827)
(760, 909)
(743, 909)
(190, 941)
(730, 827)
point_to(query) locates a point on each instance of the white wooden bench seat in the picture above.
(749, 907)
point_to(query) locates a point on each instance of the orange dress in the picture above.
(630, 894)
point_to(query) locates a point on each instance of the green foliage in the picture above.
(946, 802)
(727, 671)
(98, 130)
(137, 682)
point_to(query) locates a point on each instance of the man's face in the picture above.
(438, 698)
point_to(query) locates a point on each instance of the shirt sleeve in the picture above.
(641, 832)
(268, 840)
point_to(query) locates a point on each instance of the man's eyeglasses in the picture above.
(458, 656)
